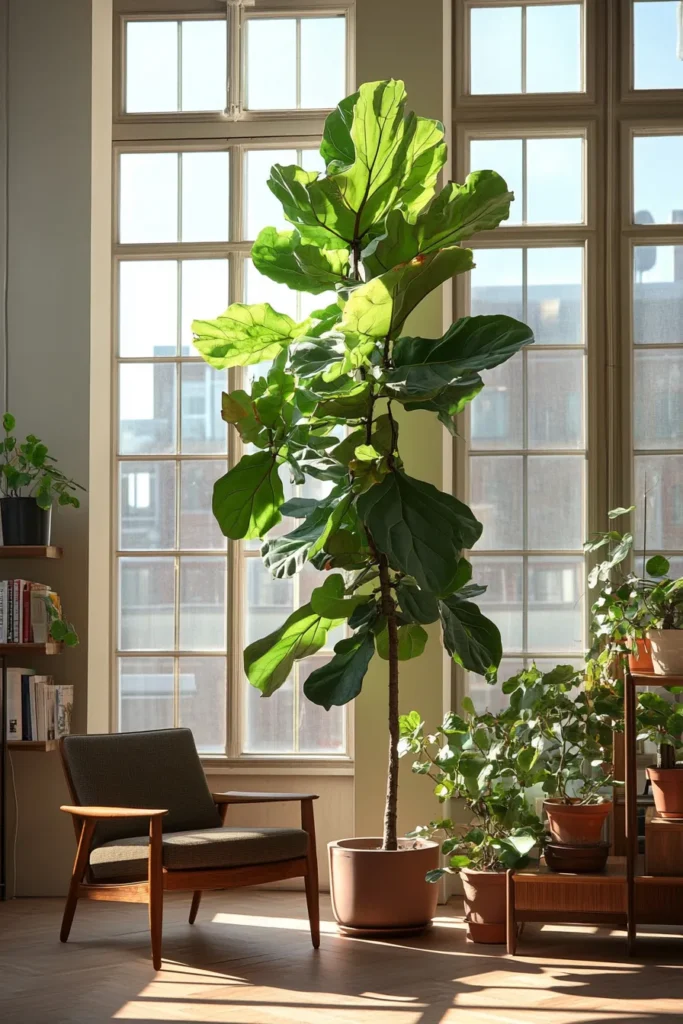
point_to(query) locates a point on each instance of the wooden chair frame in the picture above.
(160, 879)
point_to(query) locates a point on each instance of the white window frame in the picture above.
(235, 130)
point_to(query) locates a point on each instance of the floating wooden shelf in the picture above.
(653, 679)
(38, 746)
(51, 647)
(29, 551)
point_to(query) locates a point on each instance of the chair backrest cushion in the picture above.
(141, 769)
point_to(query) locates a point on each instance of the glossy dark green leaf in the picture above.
(269, 661)
(341, 679)
(286, 556)
(658, 565)
(412, 639)
(419, 605)
(470, 638)
(247, 500)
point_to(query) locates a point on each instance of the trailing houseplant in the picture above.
(373, 233)
(30, 483)
(480, 760)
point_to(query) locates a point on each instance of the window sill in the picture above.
(248, 765)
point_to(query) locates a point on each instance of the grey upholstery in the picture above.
(126, 859)
(141, 769)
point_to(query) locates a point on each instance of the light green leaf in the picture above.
(269, 661)
(616, 512)
(337, 147)
(341, 679)
(412, 640)
(246, 501)
(283, 257)
(329, 599)
(366, 453)
(244, 335)
(470, 638)
(331, 355)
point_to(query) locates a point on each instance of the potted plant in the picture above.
(480, 760)
(371, 231)
(30, 483)
(664, 600)
(662, 723)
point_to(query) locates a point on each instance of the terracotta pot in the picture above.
(667, 790)
(667, 651)
(577, 860)
(485, 905)
(377, 892)
(642, 660)
(576, 824)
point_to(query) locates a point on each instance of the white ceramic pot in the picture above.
(667, 651)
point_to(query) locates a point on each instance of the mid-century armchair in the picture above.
(146, 823)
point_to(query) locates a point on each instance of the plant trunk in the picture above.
(666, 756)
(390, 838)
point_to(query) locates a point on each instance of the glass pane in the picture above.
(496, 50)
(658, 294)
(659, 481)
(146, 596)
(204, 70)
(323, 62)
(320, 731)
(262, 208)
(148, 197)
(503, 600)
(271, 44)
(492, 698)
(555, 295)
(145, 694)
(202, 701)
(311, 160)
(497, 283)
(657, 189)
(148, 307)
(202, 430)
(204, 291)
(497, 413)
(553, 48)
(658, 398)
(555, 399)
(206, 197)
(262, 289)
(554, 181)
(555, 502)
(147, 497)
(555, 588)
(505, 157)
(268, 601)
(269, 720)
(198, 527)
(151, 66)
(203, 584)
(657, 61)
(147, 408)
(496, 484)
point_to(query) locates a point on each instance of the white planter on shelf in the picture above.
(667, 651)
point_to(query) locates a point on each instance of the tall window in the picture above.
(247, 91)
(577, 105)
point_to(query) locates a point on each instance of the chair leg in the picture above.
(156, 890)
(312, 900)
(80, 865)
(196, 900)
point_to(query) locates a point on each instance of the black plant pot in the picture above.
(24, 522)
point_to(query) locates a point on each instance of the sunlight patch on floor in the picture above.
(294, 924)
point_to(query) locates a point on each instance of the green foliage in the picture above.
(28, 470)
(60, 630)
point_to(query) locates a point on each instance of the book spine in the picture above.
(3, 634)
(51, 730)
(16, 634)
(26, 613)
(10, 611)
(25, 707)
(14, 716)
(33, 691)
(64, 707)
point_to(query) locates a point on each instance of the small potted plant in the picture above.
(478, 759)
(30, 483)
(662, 723)
(664, 600)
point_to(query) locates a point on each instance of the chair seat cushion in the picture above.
(206, 848)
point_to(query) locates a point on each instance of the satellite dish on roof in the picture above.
(646, 255)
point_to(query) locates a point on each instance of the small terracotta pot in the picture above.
(667, 790)
(642, 660)
(576, 824)
(485, 905)
(382, 893)
(667, 651)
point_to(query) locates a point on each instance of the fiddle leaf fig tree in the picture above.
(372, 238)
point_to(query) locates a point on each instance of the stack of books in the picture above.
(24, 617)
(37, 707)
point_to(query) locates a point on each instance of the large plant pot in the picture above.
(667, 790)
(576, 824)
(641, 661)
(24, 522)
(485, 905)
(577, 860)
(667, 651)
(381, 893)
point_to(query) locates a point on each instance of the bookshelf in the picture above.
(30, 551)
(39, 746)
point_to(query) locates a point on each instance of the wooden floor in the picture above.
(248, 960)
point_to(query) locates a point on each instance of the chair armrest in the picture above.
(112, 812)
(260, 798)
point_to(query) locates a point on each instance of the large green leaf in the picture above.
(412, 639)
(244, 335)
(237, 408)
(469, 637)
(283, 257)
(246, 501)
(421, 530)
(336, 148)
(269, 661)
(419, 605)
(449, 403)
(285, 556)
(330, 600)
(341, 679)
(331, 355)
